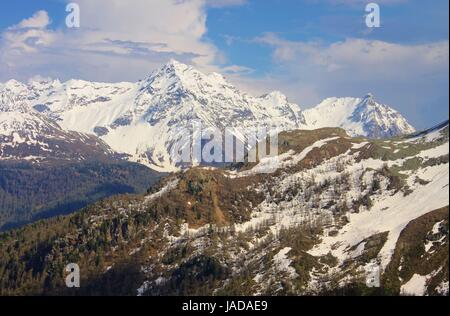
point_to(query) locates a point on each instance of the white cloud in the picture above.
(177, 26)
(237, 70)
(361, 57)
(118, 40)
(28, 35)
(39, 20)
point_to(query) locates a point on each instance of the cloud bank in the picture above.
(118, 40)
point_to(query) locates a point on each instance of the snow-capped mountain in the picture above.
(359, 117)
(25, 134)
(144, 120)
(166, 104)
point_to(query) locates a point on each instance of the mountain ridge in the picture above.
(338, 215)
(145, 119)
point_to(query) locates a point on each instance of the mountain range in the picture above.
(357, 203)
(144, 120)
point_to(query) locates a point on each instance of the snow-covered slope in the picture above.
(28, 135)
(359, 117)
(144, 120)
(168, 102)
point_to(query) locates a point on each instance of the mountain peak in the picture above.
(13, 82)
(177, 78)
(369, 100)
(175, 66)
(175, 63)
(277, 97)
(172, 71)
(360, 117)
(14, 85)
(277, 94)
(369, 96)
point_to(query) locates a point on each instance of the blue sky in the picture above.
(408, 23)
(309, 50)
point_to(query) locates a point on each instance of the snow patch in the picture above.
(415, 286)
(283, 263)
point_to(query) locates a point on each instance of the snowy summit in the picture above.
(144, 119)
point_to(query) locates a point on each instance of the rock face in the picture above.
(144, 120)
